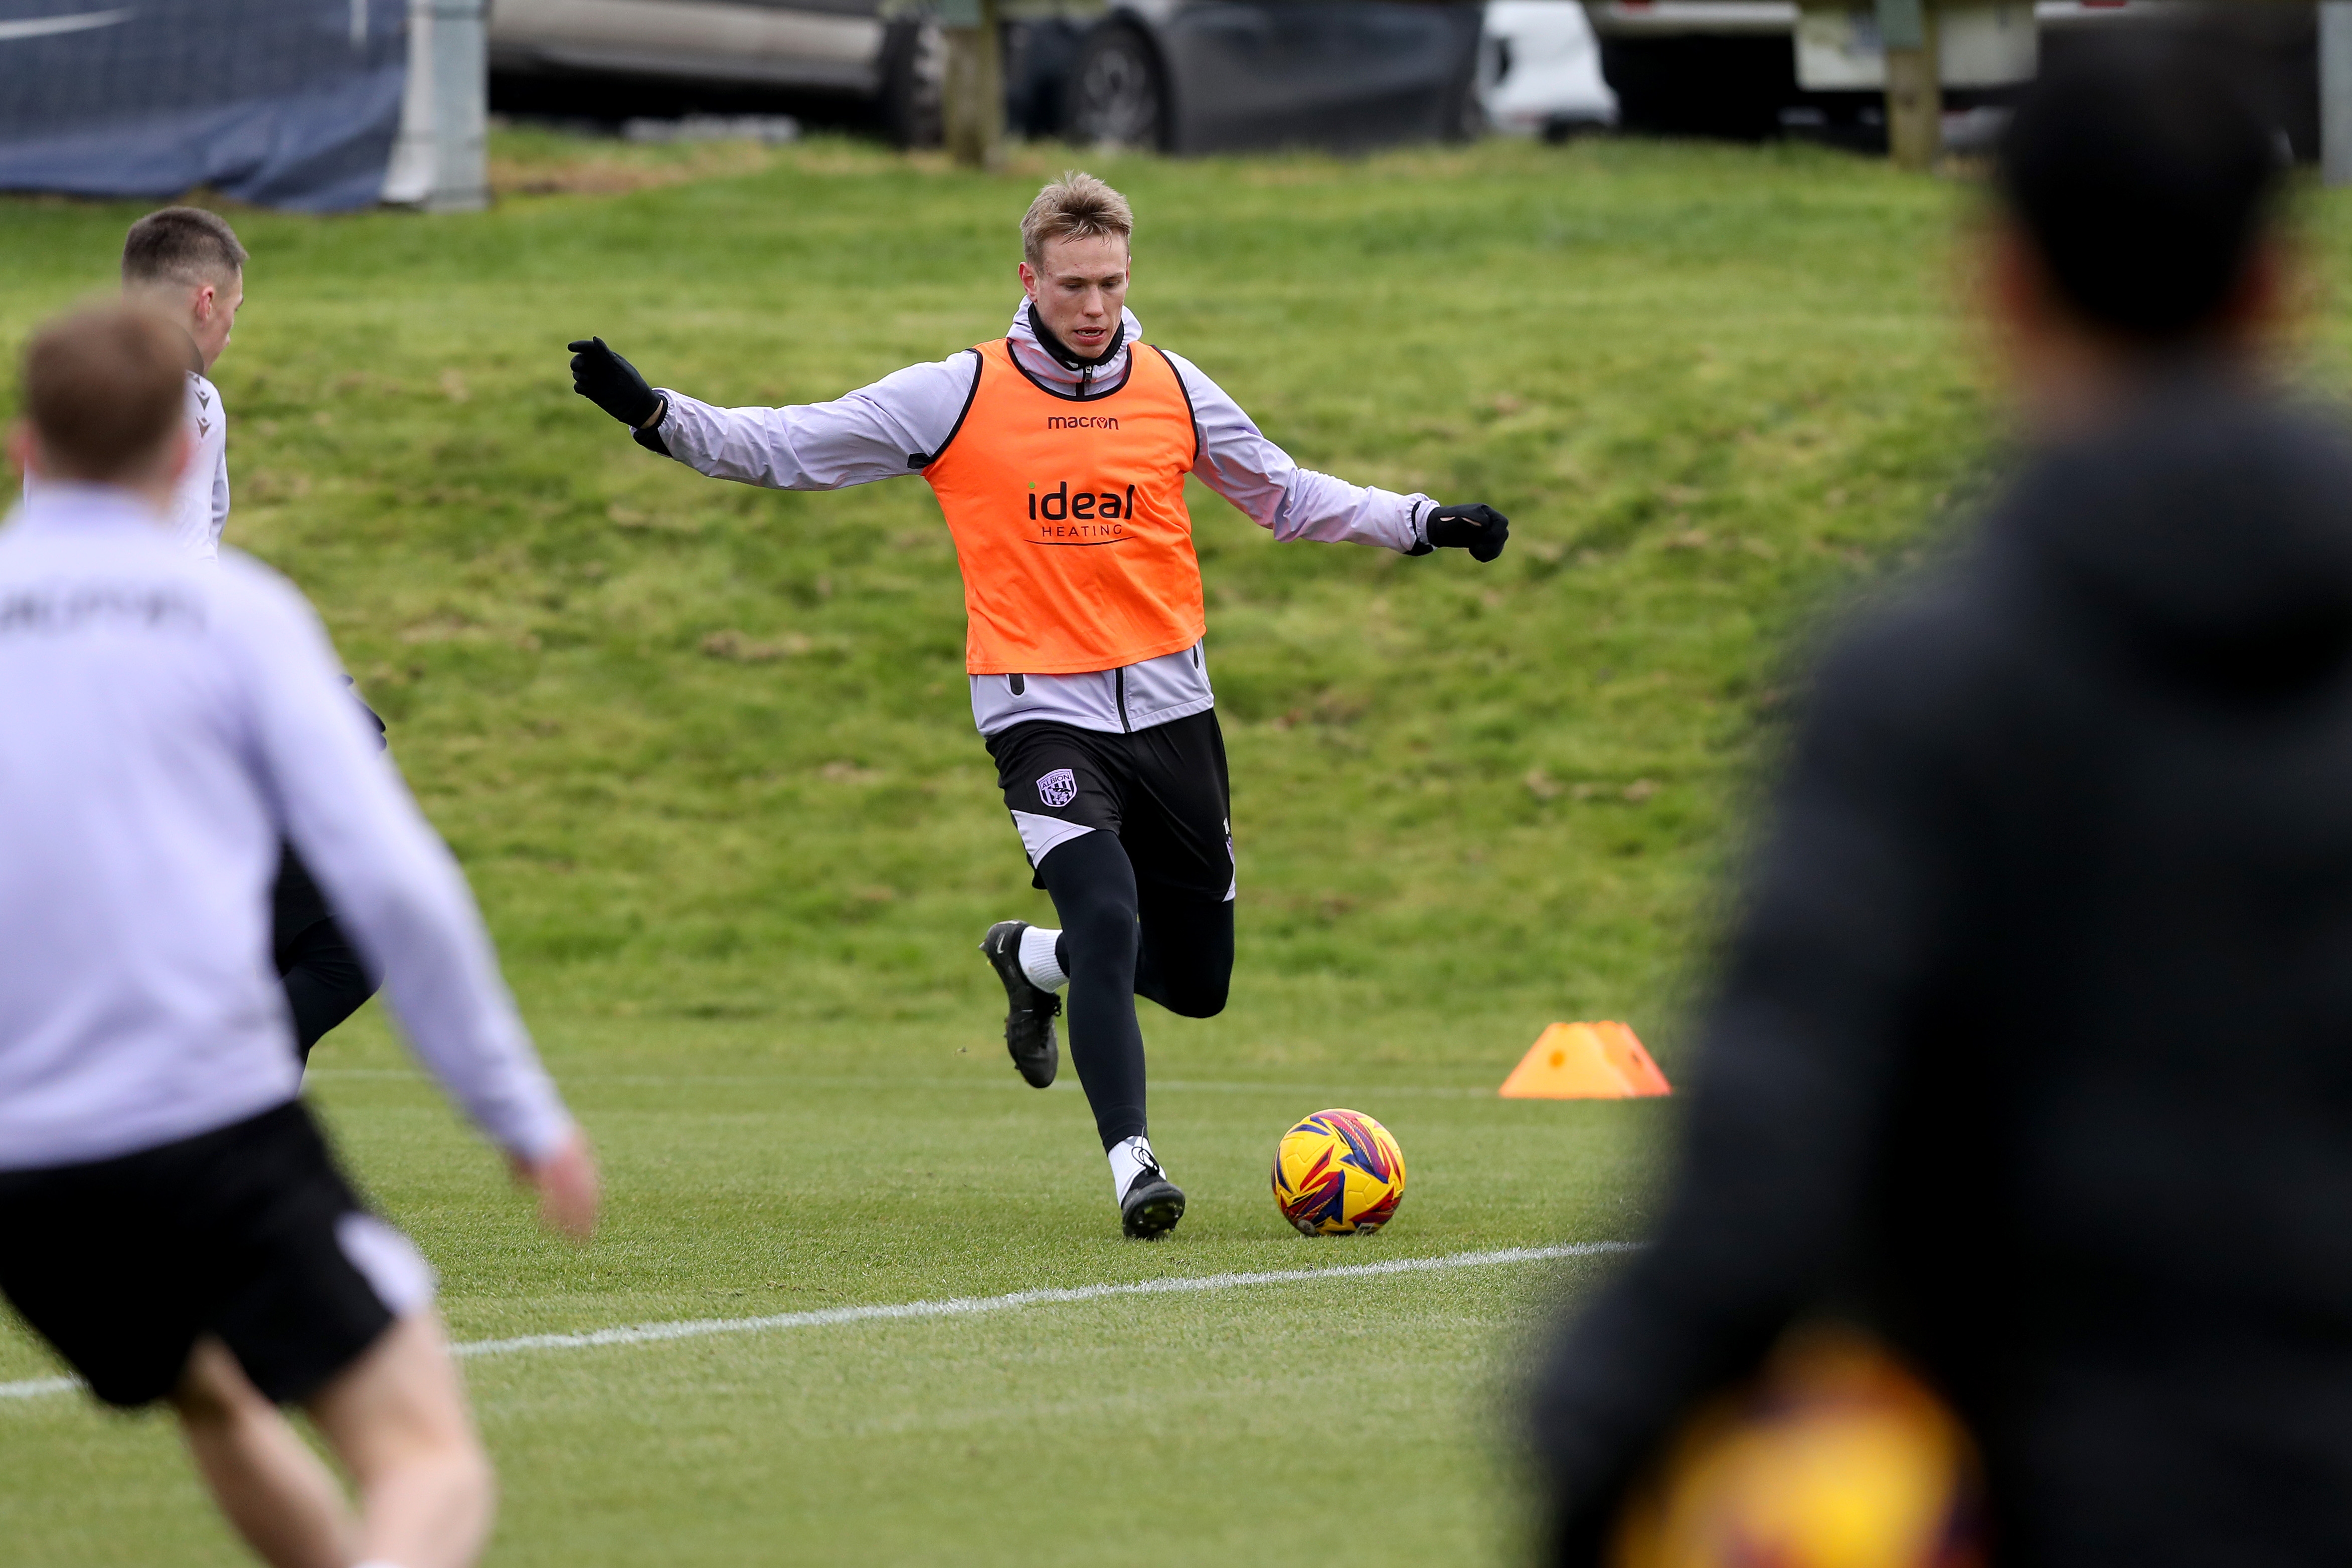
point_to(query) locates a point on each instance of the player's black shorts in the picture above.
(247, 1232)
(1163, 791)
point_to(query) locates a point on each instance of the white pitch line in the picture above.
(963, 1306)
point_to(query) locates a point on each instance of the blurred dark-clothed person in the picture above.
(2034, 1044)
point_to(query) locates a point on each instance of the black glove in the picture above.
(1481, 530)
(612, 383)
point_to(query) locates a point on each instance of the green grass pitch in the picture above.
(706, 754)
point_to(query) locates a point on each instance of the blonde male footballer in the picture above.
(1058, 453)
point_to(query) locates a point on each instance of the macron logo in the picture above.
(1081, 421)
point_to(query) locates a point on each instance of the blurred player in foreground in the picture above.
(185, 264)
(170, 1217)
(2035, 1043)
(1059, 453)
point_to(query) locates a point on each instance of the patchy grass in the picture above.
(705, 753)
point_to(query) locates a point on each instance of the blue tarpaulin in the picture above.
(285, 103)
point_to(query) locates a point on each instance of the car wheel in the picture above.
(1118, 94)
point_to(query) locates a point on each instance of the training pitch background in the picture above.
(706, 754)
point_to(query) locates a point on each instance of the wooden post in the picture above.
(1914, 93)
(974, 88)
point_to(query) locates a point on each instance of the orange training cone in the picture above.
(1585, 1061)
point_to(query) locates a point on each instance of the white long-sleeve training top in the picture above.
(895, 426)
(200, 504)
(164, 721)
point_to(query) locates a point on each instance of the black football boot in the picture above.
(1152, 1206)
(1029, 1009)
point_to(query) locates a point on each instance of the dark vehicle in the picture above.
(1210, 76)
(1177, 75)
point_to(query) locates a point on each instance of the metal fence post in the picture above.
(2336, 91)
(1914, 93)
(440, 160)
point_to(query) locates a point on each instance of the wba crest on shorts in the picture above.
(1058, 789)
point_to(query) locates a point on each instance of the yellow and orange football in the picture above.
(1338, 1173)
(1837, 1457)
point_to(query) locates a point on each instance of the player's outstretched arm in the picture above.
(398, 891)
(893, 427)
(1260, 478)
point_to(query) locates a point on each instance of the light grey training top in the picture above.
(200, 505)
(167, 720)
(897, 425)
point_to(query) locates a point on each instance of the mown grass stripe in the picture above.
(963, 1306)
(992, 1083)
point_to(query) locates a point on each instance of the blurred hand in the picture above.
(566, 1182)
(612, 383)
(1481, 530)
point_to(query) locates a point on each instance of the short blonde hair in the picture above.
(1076, 207)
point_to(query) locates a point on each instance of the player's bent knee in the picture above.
(1197, 1002)
(471, 1474)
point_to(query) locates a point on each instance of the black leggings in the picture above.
(1120, 942)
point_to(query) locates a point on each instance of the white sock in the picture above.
(1037, 959)
(1130, 1158)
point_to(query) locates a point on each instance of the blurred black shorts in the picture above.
(247, 1232)
(1162, 792)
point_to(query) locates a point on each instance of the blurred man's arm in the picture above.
(1851, 908)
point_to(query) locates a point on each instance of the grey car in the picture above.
(1211, 75)
(1177, 75)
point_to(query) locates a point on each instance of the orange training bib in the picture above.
(1069, 520)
